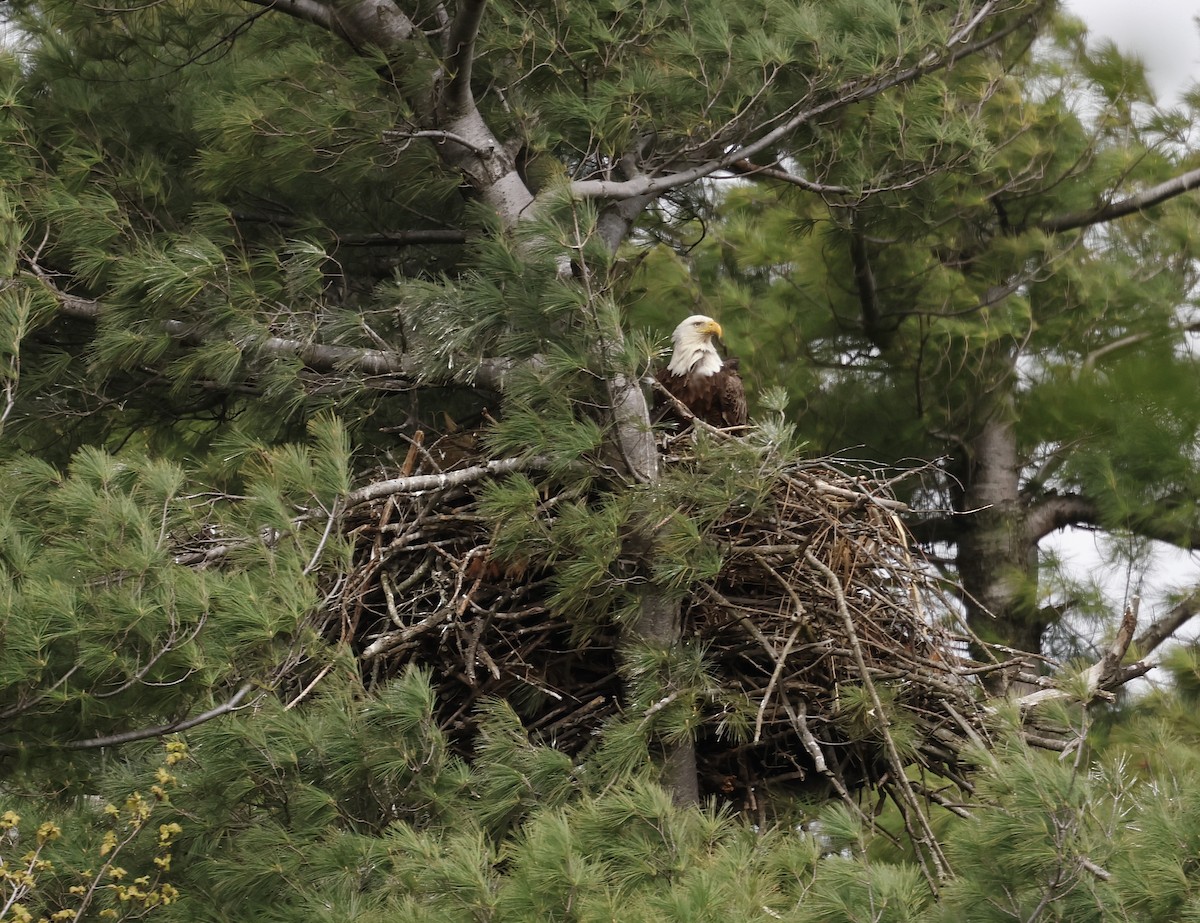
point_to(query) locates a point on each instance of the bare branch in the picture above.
(308, 10)
(441, 137)
(751, 170)
(419, 483)
(1058, 511)
(321, 357)
(360, 22)
(1138, 202)
(161, 730)
(460, 58)
(1160, 630)
(851, 93)
(1107, 674)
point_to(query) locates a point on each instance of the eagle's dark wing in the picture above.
(719, 400)
(730, 396)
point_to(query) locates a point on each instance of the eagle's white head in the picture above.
(694, 350)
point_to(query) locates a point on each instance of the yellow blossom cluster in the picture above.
(131, 897)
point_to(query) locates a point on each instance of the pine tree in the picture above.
(256, 254)
(990, 271)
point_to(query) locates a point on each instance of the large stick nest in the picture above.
(826, 630)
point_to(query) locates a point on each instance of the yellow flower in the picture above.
(169, 893)
(109, 914)
(163, 862)
(62, 915)
(137, 806)
(167, 832)
(9, 819)
(164, 777)
(20, 914)
(177, 752)
(109, 844)
(48, 832)
(117, 873)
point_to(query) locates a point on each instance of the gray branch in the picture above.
(852, 93)
(1161, 629)
(460, 57)
(489, 373)
(162, 730)
(419, 483)
(1061, 510)
(1138, 202)
(307, 10)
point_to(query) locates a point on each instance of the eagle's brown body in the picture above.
(708, 386)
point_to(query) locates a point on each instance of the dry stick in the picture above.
(935, 850)
(309, 688)
(781, 660)
(1101, 674)
(420, 483)
(799, 716)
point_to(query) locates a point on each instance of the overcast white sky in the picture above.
(1162, 32)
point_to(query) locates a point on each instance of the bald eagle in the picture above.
(697, 376)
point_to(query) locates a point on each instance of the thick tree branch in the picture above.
(471, 146)
(849, 94)
(1061, 510)
(1163, 628)
(460, 57)
(1138, 202)
(360, 22)
(1058, 511)
(307, 10)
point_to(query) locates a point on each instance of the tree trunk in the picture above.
(996, 561)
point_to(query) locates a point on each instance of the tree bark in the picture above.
(996, 559)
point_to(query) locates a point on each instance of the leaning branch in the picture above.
(1101, 677)
(1159, 524)
(307, 10)
(320, 357)
(1160, 630)
(849, 94)
(419, 483)
(113, 740)
(460, 47)
(1138, 202)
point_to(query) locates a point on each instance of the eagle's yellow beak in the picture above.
(712, 327)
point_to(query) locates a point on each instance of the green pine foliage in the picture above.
(195, 196)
